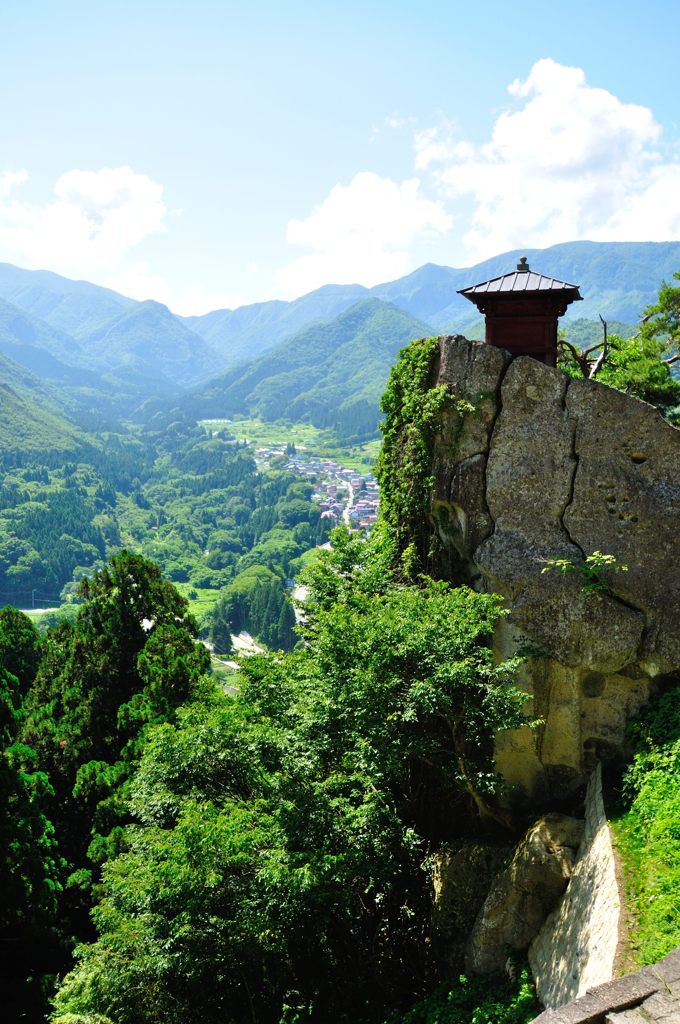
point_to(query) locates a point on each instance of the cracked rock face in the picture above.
(530, 466)
(524, 893)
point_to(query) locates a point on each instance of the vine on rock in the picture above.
(413, 408)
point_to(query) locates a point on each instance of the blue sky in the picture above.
(211, 154)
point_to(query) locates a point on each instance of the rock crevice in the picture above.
(572, 481)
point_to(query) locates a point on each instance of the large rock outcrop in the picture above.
(581, 939)
(530, 465)
(524, 893)
(461, 880)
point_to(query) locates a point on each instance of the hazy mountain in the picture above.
(97, 329)
(331, 374)
(145, 350)
(27, 384)
(248, 331)
(39, 347)
(59, 368)
(618, 279)
(31, 420)
(150, 341)
(75, 307)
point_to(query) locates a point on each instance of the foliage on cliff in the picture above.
(648, 833)
(412, 404)
(637, 367)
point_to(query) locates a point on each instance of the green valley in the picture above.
(216, 813)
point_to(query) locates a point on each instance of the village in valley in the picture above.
(343, 494)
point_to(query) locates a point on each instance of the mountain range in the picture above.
(331, 373)
(323, 357)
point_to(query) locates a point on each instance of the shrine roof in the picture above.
(521, 280)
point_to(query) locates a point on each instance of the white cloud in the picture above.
(137, 281)
(94, 220)
(10, 180)
(648, 214)
(435, 145)
(362, 233)
(90, 230)
(396, 121)
(195, 300)
(571, 161)
(565, 160)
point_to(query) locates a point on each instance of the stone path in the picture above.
(652, 996)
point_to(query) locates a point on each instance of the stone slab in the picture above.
(660, 1006)
(576, 948)
(668, 969)
(652, 996)
(619, 994)
(627, 1017)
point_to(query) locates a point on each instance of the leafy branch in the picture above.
(590, 570)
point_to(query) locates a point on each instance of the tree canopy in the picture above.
(640, 365)
(276, 867)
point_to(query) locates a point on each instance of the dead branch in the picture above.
(579, 357)
(599, 362)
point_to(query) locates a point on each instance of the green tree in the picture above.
(31, 872)
(220, 636)
(637, 366)
(128, 661)
(277, 870)
(661, 320)
(19, 646)
(640, 365)
(285, 635)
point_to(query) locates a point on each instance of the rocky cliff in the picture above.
(527, 465)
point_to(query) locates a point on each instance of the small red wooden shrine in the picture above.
(521, 311)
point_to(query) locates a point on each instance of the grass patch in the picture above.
(200, 599)
(225, 675)
(360, 457)
(647, 832)
(44, 620)
(476, 1001)
(260, 434)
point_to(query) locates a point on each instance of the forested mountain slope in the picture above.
(29, 429)
(24, 336)
(330, 374)
(94, 328)
(34, 419)
(76, 307)
(52, 365)
(150, 342)
(248, 331)
(618, 279)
